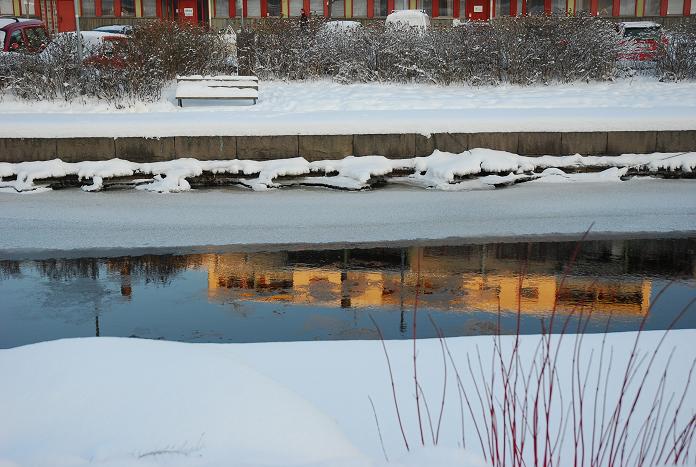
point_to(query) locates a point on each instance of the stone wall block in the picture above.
(85, 149)
(145, 149)
(322, 147)
(206, 147)
(394, 146)
(676, 141)
(27, 149)
(499, 141)
(267, 147)
(631, 142)
(539, 143)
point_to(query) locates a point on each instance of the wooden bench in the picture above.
(216, 87)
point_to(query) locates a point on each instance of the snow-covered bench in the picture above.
(216, 87)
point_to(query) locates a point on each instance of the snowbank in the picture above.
(440, 170)
(323, 107)
(126, 402)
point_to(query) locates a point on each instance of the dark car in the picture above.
(20, 34)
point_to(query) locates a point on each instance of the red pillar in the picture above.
(455, 9)
(687, 7)
(117, 7)
(390, 6)
(436, 8)
(370, 8)
(663, 8)
(616, 8)
(264, 8)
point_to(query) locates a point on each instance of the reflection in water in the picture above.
(465, 285)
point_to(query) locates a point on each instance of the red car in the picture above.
(641, 41)
(17, 34)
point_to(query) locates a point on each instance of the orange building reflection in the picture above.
(470, 281)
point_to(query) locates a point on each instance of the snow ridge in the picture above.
(475, 169)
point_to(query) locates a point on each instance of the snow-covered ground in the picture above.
(126, 402)
(31, 225)
(324, 107)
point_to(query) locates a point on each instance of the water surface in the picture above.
(331, 294)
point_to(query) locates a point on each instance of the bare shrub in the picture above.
(136, 69)
(677, 58)
(525, 50)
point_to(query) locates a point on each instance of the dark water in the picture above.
(330, 294)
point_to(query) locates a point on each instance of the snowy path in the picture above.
(71, 219)
(324, 107)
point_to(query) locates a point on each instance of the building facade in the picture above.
(59, 15)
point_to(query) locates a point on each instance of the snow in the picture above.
(639, 24)
(71, 223)
(416, 18)
(324, 107)
(439, 170)
(215, 90)
(129, 402)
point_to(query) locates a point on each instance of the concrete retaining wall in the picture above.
(338, 146)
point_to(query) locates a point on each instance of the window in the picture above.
(427, 6)
(108, 8)
(316, 7)
(16, 41)
(604, 7)
(36, 37)
(127, 7)
(627, 8)
(582, 6)
(535, 7)
(337, 8)
(88, 8)
(360, 8)
(446, 7)
(273, 7)
(676, 7)
(149, 7)
(295, 7)
(652, 8)
(222, 8)
(253, 8)
(6, 7)
(502, 8)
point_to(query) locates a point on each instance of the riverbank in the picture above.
(129, 402)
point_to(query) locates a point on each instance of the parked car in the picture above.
(414, 18)
(125, 29)
(98, 47)
(21, 34)
(641, 41)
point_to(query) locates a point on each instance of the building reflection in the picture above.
(507, 277)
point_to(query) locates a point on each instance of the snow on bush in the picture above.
(524, 50)
(677, 57)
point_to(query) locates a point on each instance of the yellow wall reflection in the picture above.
(447, 283)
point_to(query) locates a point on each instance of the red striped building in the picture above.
(59, 14)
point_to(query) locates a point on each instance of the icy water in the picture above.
(331, 294)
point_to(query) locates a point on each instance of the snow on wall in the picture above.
(440, 170)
